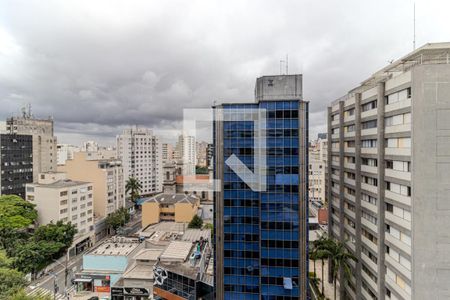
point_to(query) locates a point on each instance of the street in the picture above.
(45, 284)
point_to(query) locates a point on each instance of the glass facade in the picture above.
(261, 251)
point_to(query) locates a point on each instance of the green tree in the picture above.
(60, 232)
(196, 222)
(36, 255)
(11, 281)
(201, 170)
(134, 187)
(340, 258)
(16, 213)
(118, 218)
(22, 295)
(16, 216)
(321, 251)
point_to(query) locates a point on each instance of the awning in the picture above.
(83, 279)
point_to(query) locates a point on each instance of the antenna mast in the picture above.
(414, 27)
(287, 65)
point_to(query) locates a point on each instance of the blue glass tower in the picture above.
(261, 227)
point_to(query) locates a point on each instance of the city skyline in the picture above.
(125, 77)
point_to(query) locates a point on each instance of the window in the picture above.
(350, 144)
(350, 175)
(370, 180)
(349, 112)
(64, 193)
(349, 128)
(398, 96)
(398, 188)
(369, 106)
(369, 143)
(369, 124)
(398, 143)
(397, 165)
(372, 162)
(369, 217)
(350, 159)
(398, 120)
(63, 211)
(399, 212)
(368, 198)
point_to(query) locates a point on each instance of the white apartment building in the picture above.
(141, 155)
(317, 169)
(60, 199)
(65, 152)
(388, 174)
(185, 150)
(44, 142)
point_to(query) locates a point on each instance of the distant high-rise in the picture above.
(16, 163)
(185, 151)
(65, 152)
(44, 142)
(261, 222)
(141, 155)
(167, 153)
(388, 175)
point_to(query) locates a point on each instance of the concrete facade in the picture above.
(106, 177)
(60, 199)
(141, 155)
(387, 178)
(44, 142)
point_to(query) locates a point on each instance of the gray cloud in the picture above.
(99, 66)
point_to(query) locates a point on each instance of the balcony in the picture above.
(398, 128)
(369, 150)
(369, 169)
(397, 220)
(398, 151)
(398, 174)
(397, 197)
(398, 105)
(369, 131)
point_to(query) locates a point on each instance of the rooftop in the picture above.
(431, 53)
(172, 198)
(61, 184)
(116, 246)
(176, 251)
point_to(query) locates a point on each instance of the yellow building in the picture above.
(105, 174)
(169, 207)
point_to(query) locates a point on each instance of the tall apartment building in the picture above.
(90, 146)
(16, 163)
(167, 153)
(185, 151)
(44, 142)
(106, 176)
(389, 164)
(140, 152)
(261, 223)
(65, 152)
(60, 199)
(317, 169)
(202, 154)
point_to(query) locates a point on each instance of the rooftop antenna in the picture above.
(281, 66)
(287, 65)
(414, 26)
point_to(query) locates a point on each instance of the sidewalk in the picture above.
(328, 287)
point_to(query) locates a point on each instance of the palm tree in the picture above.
(322, 251)
(134, 187)
(340, 258)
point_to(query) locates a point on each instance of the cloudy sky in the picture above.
(100, 66)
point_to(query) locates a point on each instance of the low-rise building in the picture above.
(60, 199)
(184, 269)
(169, 207)
(104, 265)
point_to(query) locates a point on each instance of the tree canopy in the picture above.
(16, 213)
(134, 187)
(60, 232)
(118, 218)
(196, 222)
